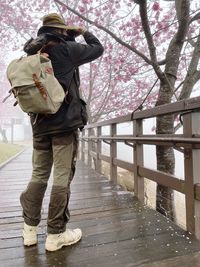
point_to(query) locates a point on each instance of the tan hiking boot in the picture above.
(67, 238)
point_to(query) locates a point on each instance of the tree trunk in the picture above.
(165, 156)
(165, 195)
(165, 124)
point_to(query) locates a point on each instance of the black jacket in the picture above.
(66, 57)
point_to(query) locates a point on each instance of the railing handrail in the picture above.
(188, 143)
(145, 140)
(176, 107)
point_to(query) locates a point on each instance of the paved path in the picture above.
(117, 230)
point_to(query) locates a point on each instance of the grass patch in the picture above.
(8, 150)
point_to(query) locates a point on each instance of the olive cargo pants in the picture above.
(60, 152)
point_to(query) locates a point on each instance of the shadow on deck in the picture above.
(117, 230)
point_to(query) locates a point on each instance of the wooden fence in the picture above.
(188, 143)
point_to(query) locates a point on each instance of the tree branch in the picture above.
(176, 44)
(177, 127)
(198, 75)
(196, 17)
(147, 31)
(162, 62)
(182, 8)
(146, 59)
(149, 38)
(193, 74)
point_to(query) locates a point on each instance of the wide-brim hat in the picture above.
(55, 21)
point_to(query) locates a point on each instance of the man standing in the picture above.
(54, 139)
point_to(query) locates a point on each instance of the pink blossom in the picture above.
(81, 9)
(98, 13)
(156, 6)
(64, 9)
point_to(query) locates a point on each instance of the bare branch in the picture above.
(149, 38)
(198, 75)
(196, 17)
(182, 9)
(147, 31)
(162, 62)
(137, 1)
(181, 83)
(193, 74)
(176, 44)
(177, 127)
(190, 40)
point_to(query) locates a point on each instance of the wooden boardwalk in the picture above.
(117, 230)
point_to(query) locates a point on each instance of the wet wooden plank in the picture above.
(117, 230)
(191, 260)
(122, 253)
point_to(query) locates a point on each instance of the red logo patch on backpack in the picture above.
(49, 70)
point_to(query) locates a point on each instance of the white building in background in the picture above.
(16, 128)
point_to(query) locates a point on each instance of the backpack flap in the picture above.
(19, 71)
(34, 84)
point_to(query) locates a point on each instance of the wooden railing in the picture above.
(188, 143)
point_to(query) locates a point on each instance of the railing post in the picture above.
(138, 160)
(89, 148)
(82, 146)
(192, 171)
(113, 154)
(98, 162)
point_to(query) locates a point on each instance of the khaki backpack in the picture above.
(34, 85)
